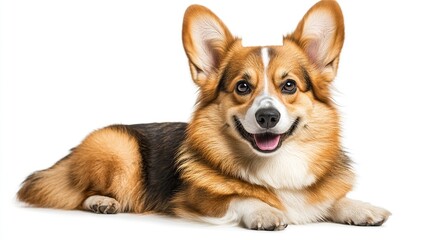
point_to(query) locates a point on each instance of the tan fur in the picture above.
(217, 166)
(51, 188)
(321, 122)
(189, 203)
(106, 163)
(322, 82)
(196, 17)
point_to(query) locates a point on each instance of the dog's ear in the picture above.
(321, 35)
(206, 40)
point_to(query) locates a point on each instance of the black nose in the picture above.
(267, 117)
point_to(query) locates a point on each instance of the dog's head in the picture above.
(262, 96)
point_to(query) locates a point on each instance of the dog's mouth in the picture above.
(267, 142)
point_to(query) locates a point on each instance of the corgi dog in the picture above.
(262, 149)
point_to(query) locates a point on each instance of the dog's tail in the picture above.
(52, 188)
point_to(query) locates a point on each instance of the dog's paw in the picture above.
(101, 204)
(269, 219)
(368, 215)
(359, 213)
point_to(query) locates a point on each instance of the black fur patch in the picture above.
(159, 144)
(221, 86)
(307, 79)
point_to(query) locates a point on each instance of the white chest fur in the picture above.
(288, 172)
(289, 168)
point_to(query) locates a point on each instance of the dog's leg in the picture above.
(353, 212)
(201, 205)
(101, 204)
(251, 213)
(106, 163)
(257, 215)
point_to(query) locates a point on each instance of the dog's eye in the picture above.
(242, 88)
(289, 87)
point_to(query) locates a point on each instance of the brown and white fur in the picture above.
(261, 150)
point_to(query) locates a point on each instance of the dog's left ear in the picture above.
(321, 35)
(206, 40)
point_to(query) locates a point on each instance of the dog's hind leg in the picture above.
(101, 204)
(102, 174)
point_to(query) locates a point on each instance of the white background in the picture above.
(69, 67)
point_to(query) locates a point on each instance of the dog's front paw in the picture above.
(368, 215)
(269, 219)
(358, 213)
(101, 204)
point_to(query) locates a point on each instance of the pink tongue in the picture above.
(267, 142)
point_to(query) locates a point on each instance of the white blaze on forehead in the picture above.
(266, 100)
(265, 62)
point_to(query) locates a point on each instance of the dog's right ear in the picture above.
(206, 40)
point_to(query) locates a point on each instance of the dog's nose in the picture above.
(267, 117)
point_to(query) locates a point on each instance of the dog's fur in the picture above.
(231, 163)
